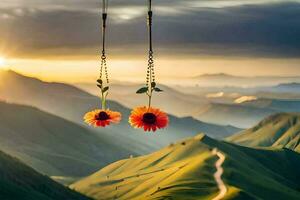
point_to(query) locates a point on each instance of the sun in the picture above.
(2, 62)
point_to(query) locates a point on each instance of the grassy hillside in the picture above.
(52, 145)
(72, 103)
(18, 181)
(280, 130)
(185, 171)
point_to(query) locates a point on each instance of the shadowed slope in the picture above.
(280, 130)
(17, 181)
(186, 170)
(53, 145)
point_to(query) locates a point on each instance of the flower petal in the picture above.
(91, 118)
(137, 114)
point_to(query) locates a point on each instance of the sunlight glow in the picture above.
(2, 62)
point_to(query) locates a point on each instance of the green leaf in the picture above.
(105, 89)
(142, 90)
(100, 81)
(99, 86)
(158, 89)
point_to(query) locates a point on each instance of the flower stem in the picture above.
(103, 102)
(150, 98)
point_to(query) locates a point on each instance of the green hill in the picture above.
(185, 171)
(72, 103)
(52, 145)
(279, 130)
(18, 181)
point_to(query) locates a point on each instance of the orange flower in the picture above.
(102, 118)
(148, 118)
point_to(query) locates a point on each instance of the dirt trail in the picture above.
(218, 175)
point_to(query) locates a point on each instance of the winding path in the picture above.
(218, 175)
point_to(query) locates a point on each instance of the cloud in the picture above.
(260, 30)
(92, 4)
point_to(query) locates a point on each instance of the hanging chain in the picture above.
(103, 67)
(150, 79)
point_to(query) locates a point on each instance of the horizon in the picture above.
(170, 83)
(50, 70)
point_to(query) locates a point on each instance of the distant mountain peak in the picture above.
(214, 75)
(292, 84)
(9, 71)
(11, 74)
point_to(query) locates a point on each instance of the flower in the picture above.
(148, 118)
(102, 118)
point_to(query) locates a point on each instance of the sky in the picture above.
(60, 40)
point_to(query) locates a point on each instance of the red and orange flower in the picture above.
(150, 119)
(102, 118)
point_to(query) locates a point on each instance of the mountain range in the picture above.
(279, 105)
(52, 145)
(234, 114)
(185, 170)
(173, 101)
(240, 107)
(293, 87)
(291, 90)
(46, 133)
(245, 114)
(72, 103)
(213, 80)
